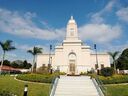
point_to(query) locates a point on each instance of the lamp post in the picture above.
(50, 53)
(97, 67)
(25, 90)
(49, 62)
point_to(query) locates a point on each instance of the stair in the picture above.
(75, 86)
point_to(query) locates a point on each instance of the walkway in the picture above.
(75, 86)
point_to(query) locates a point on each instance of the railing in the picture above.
(53, 86)
(100, 86)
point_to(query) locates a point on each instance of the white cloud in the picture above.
(123, 14)
(22, 25)
(25, 47)
(113, 48)
(100, 33)
(98, 16)
(97, 30)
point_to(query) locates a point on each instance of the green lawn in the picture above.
(8, 83)
(117, 90)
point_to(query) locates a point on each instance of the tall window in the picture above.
(102, 66)
(71, 31)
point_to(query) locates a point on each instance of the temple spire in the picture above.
(71, 17)
(71, 29)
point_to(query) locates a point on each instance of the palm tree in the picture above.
(114, 55)
(34, 52)
(6, 46)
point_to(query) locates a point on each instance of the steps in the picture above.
(75, 86)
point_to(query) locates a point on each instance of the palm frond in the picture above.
(7, 45)
(35, 50)
(30, 51)
(113, 54)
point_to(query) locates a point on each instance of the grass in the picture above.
(8, 83)
(117, 90)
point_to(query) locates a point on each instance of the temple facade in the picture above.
(73, 57)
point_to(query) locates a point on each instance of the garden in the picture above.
(8, 85)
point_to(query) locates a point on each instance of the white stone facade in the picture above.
(72, 56)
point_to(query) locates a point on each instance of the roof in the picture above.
(8, 68)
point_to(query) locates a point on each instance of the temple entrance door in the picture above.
(72, 67)
(72, 63)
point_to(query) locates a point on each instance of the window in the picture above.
(71, 31)
(102, 66)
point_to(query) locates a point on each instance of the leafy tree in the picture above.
(6, 46)
(114, 57)
(15, 64)
(7, 63)
(26, 65)
(122, 61)
(21, 64)
(34, 52)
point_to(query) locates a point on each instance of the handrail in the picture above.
(100, 92)
(101, 85)
(53, 86)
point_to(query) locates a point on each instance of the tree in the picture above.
(6, 46)
(7, 63)
(34, 52)
(114, 57)
(26, 65)
(17, 64)
(122, 61)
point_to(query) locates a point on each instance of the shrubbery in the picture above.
(83, 73)
(43, 78)
(62, 73)
(107, 71)
(114, 79)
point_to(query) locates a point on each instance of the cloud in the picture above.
(25, 47)
(97, 30)
(100, 33)
(113, 48)
(23, 25)
(123, 14)
(98, 16)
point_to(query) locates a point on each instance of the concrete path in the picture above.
(75, 86)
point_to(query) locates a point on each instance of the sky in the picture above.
(30, 23)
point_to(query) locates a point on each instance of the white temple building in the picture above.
(73, 57)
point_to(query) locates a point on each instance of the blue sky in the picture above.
(43, 22)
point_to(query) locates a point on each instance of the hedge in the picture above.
(48, 78)
(115, 79)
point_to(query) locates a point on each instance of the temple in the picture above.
(73, 57)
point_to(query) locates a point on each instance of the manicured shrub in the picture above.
(43, 78)
(62, 73)
(114, 79)
(83, 73)
(107, 71)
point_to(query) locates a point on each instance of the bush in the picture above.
(62, 73)
(107, 71)
(83, 73)
(43, 78)
(114, 79)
